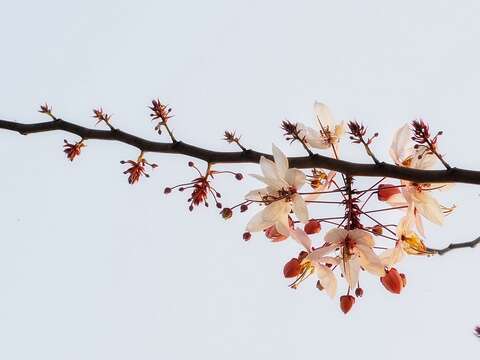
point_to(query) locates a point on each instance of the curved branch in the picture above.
(250, 156)
(466, 244)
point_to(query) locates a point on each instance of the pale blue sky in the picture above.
(92, 268)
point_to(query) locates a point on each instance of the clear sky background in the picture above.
(93, 268)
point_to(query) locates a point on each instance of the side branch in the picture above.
(250, 156)
(466, 244)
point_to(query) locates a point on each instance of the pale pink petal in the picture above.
(273, 182)
(302, 238)
(350, 270)
(269, 168)
(369, 260)
(258, 223)
(283, 225)
(257, 194)
(335, 236)
(300, 208)
(318, 255)
(276, 210)
(419, 225)
(392, 256)
(401, 146)
(423, 161)
(324, 116)
(362, 237)
(327, 279)
(429, 207)
(316, 140)
(281, 161)
(295, 178)
(397, 200)
(404, 226)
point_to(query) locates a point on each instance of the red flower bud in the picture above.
(226, 213)
(312, 227)
(292, 268)
(247, 236)
(392, 281)
(359, 292)
(386, 191)
(346, 303)
(377, 230)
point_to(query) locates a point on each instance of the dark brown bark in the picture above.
(250, 156)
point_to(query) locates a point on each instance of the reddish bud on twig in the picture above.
(312, 227)
(72, 150)
(392, 281)
(386, 191)
(292, 268)
(346, 303)
(247, 236)
(137, 169)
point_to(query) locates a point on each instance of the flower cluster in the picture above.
(355, 241)
(72, 150)
(102, 116)
(137, 168)
(338, 247)
(202, 188)
(160, 112)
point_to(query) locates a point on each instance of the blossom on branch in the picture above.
(280, 196)
(73, 150)
(417, 195)
(202, 187)
(328, 134)
(102, 116)
(137, 168)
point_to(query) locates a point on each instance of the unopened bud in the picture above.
(292, 268)
(226, 213)
(392, 281)
(312, 227)
(358, 292)
(243, 208)
(315, 184)
(247, 236)
(167, 190)
(377, 230)
(238, 176)
(346, 303)
(386, 191)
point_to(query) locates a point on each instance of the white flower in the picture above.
(416, 196)
(408, 243)
(356, 251)
(328, 134)
(403, 151)
(280, 195)
(317, 261)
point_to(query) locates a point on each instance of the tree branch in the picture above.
(250, 156)
(466, 244)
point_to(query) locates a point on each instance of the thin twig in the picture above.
(453, 246)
